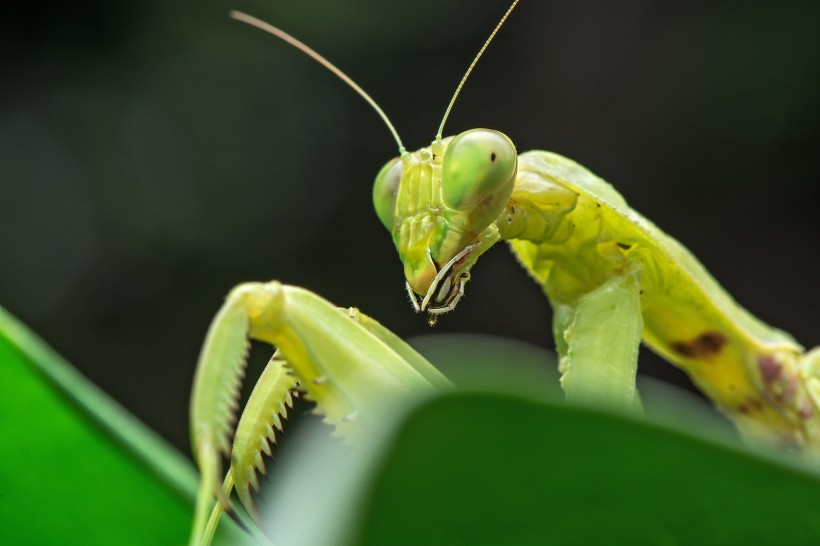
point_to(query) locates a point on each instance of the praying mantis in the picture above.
(611, 277)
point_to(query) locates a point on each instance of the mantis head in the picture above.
(440, 205)
(441, 202)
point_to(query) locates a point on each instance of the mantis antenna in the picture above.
(470, 69)
(282, 35)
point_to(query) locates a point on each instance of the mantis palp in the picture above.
(611, 277)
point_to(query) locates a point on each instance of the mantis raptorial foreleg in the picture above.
(345, 362)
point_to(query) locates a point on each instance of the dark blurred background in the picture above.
(153, 154)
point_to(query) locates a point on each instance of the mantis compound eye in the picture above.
(385, 190)
(478, 169)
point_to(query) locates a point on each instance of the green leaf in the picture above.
(75, 467)
(520, 467)
(501, 469)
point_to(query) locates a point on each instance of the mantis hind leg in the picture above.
(597, 338)
(354, 370)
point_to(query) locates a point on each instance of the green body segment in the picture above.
(573, 232)
(746, 367)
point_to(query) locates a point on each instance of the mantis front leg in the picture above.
(349, 365)
(597, 339)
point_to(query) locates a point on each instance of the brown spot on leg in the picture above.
(706, 345)
(770, 368)
(751, 405)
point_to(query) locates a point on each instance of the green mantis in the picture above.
(611, 277)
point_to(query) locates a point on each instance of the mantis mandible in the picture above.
(611, 277)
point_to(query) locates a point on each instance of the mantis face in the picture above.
(440, 205)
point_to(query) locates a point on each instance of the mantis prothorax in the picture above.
(611, 277)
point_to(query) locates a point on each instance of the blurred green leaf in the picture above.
(511, 468)
(76, 468)
(502, 469)
(519, 467)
